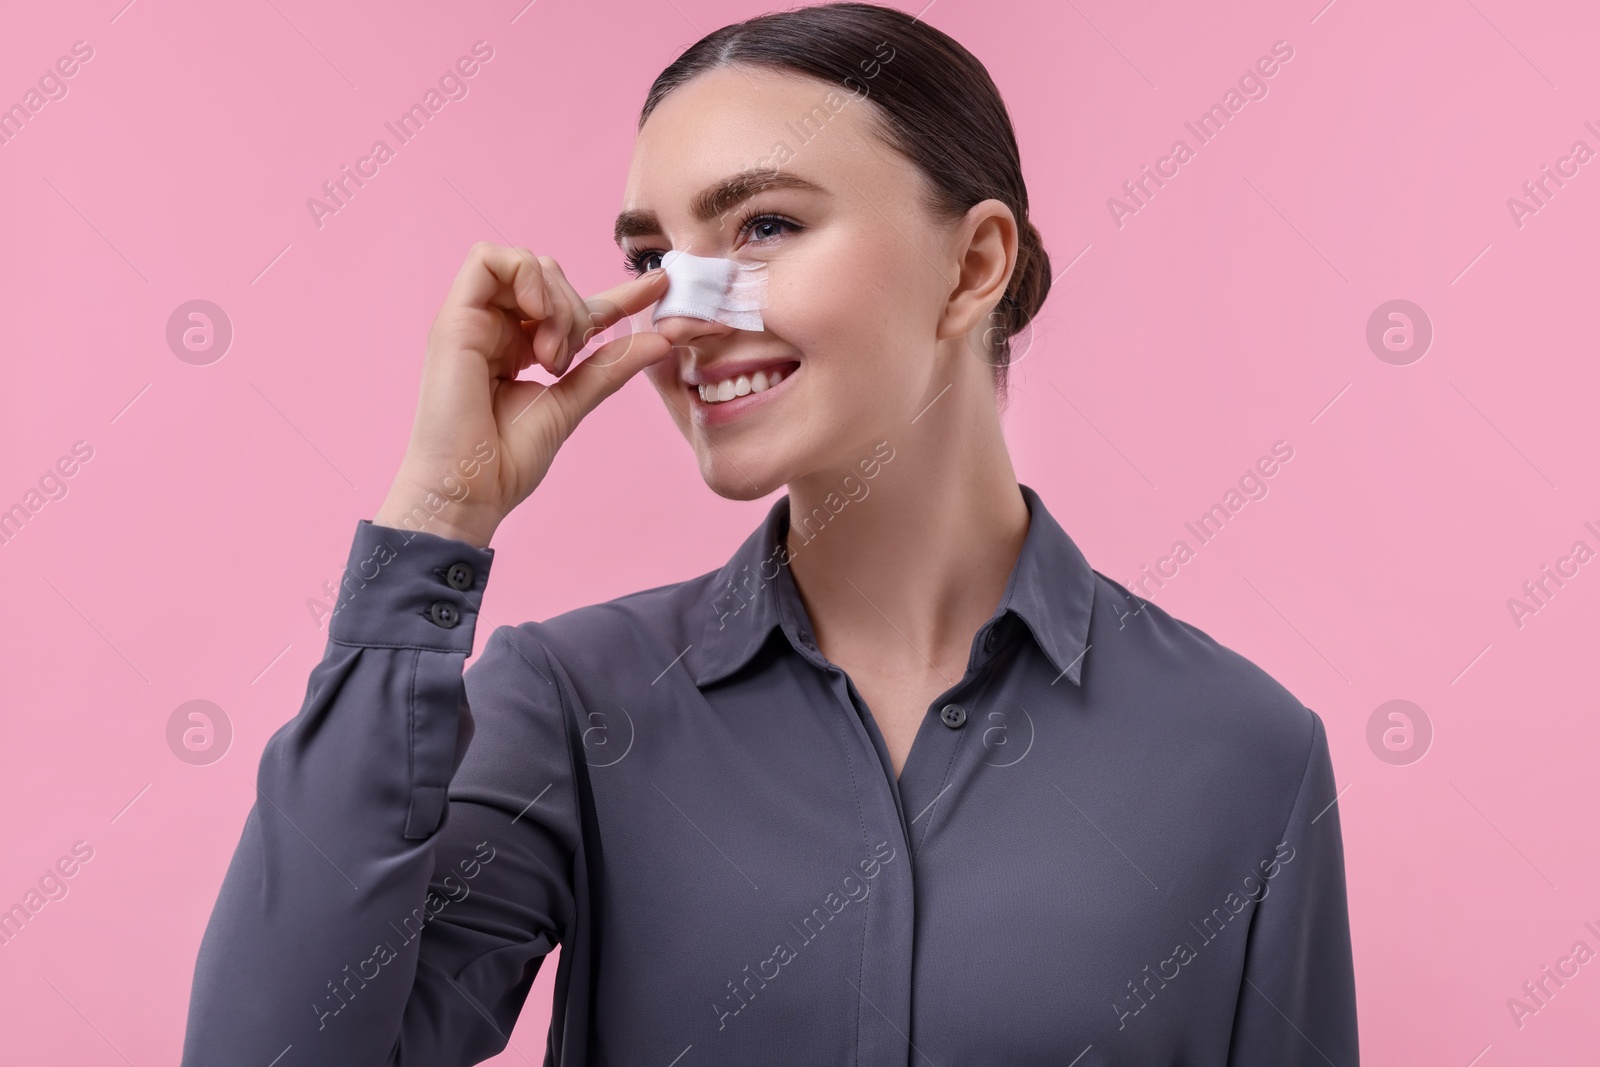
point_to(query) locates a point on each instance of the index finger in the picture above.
(617, 303)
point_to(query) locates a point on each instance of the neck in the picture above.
(904, 557)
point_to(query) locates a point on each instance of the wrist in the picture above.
(435, 515)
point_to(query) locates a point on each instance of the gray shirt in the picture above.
(1114, 840)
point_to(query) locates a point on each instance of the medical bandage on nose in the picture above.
(717, 290)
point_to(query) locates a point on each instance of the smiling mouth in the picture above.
(739, 385)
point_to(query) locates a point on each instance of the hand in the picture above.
(482, 440)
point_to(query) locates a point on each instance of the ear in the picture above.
(986, 254)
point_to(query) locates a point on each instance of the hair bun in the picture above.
(1030, 279)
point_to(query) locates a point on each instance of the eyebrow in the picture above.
(715, 200)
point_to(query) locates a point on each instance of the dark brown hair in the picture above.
(936, 105)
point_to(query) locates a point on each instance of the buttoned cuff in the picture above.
(409, 589)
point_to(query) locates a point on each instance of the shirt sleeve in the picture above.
(408, 861)
(1297, 1000)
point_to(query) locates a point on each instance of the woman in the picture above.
(906, 781)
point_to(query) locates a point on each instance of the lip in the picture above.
(732, 369)
(720, 414)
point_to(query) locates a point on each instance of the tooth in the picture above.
(774, 378)
(703, 392)
(758, 381)
(741, 385)
(725, 389)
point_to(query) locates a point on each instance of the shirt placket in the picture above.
(904, 809)
(882, 980)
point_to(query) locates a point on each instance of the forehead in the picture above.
(735, 118)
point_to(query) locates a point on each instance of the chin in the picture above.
(735, 478)
(734, 487)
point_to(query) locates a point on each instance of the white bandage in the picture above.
(718, 290)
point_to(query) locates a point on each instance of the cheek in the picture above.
(833, 302)
(660, 376)
(856, 322)
(664, 378)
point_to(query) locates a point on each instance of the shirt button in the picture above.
(459, 576)
(991, 639)
(443, 613)
(953, 715)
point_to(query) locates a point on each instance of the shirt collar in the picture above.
(1051, 588)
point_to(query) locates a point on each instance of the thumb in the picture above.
(583, 387)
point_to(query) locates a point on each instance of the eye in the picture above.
(641, 259)
(638, 261)
(764, 221)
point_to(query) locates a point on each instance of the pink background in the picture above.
(1227, 314)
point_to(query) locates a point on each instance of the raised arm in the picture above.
(365, 917)
(409, 859)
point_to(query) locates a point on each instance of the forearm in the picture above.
(314, 939)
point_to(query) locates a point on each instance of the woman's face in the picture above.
(859, 279)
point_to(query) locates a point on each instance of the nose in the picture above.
(685, 331)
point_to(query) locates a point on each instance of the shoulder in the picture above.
(1181, 676)
(619, 637)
